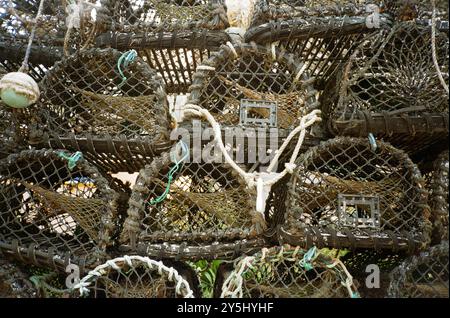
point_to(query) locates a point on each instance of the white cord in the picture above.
(433, 47)
(101, 270)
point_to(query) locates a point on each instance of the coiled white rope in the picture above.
(172, 273)
(262, 181)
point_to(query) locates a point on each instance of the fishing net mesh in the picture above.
(288, 272)
(205, 203)
(422, 276)
(439, 198)
(48, 206)
(344, 194)
(115, 112)
(138, 277)
(270, 84)
(159, 15)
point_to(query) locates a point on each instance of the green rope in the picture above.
(125, 59)
(171, 173)
(71, 160)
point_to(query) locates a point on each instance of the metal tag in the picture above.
(258, 113)
(358, 211)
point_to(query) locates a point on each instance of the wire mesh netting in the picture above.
(203, 203)
(345, 194)
(288, 272)
(140, 277)
(389, 85)
(114, 111)
(422, 276)
(53, 205)
(439, 198)
(167, 15)
(174, 55)
(253, 86)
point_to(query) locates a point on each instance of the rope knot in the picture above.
(71, 160)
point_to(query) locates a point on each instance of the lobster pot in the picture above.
(422, 276)
(253, 86)
(390, 87)
(344, 193)
(323, 44)
(364, 264)
(115, 111)
(439, 198)
(174, 55)
(279, 10)
(202, 204)
(288, 272)
(407, 10)
(53, 33)
(54, 210)
(166, 15)
(139, 277)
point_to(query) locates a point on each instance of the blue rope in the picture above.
(373, 142)
(124, 60)
(306, 261)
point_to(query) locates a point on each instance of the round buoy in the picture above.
(18, 90)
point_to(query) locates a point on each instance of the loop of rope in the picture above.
(308, 257)
(172, 171)
(71, 160)
(124, 60)
(97, 272)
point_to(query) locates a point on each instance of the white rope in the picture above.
(205, 68)
(433, 47)
(300, 72)
(101, 270)
(262, 181)
(232, 286)
(24, 67)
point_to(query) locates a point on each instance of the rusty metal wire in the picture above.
(169, 15)
(288, 272)
(49, 206)
(118, 121)
(346, 194)
(251, 72)
(422, 276)
(139, 277)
